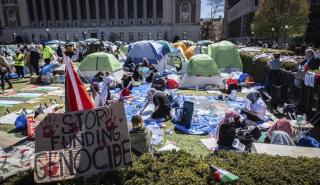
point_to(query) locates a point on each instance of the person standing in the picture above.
(4, 69)
(274, 71)
(34, 60)
(46, 53)
(310, 62)
(19, 64)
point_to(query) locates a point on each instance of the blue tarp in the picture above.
(145, 49)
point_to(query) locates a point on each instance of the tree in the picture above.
(279, 13)
(216, 7)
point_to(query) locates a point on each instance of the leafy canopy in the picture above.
(279, 13)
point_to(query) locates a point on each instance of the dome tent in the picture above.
(100, 61)
(226, 55)
(145, 49)
(201, 71)
(167, 47)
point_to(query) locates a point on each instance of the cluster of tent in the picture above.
(198, 65)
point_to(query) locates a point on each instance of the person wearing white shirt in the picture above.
(256, 108)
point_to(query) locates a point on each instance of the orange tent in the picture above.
(180, 45)
(190, 52)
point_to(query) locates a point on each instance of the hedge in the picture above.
(182, 168)
(258, 69)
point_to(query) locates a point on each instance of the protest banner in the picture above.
(81, 143)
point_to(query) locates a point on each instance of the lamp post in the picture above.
(48, 33)
(84, 34)
(14, 37)
(285, 33)
(272, 29)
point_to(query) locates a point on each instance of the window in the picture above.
(140, 8)
(159, 8)
(31, 11)
(131, 36)
(159, 35)
(48, 10)
(93, 10)
(185, 35)
(149, 35)
(39, 8)
(121, 36)
(102, 9)
(111, 9)
(56, 9)
(102, 35)
(74, 10)
(149, 8)
(65, 9)
(140, 35)
(121, 9)
(130, 9)
(185, 12)
(83, 9)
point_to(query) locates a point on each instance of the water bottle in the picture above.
(304, 120)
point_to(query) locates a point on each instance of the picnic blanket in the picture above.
(9, 103)
(15, 159)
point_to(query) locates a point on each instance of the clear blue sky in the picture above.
(205, 10)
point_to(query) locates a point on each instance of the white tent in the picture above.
(175, 62)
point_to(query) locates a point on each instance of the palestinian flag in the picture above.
(78, 97)
(221, 175)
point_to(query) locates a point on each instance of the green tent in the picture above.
(202, 65)
(100, 61)
(204, 50)
(125, 49)
(225, 54)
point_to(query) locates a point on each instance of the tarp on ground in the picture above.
(145, 49)
(167, 47)
(202, 65)
(225, 54)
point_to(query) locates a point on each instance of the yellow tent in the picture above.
(190, 52)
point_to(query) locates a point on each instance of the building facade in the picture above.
(239, 15)
(125, 20)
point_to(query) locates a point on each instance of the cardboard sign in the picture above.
(31, 125)
(81, 143)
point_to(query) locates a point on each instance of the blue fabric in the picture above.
(242, 77)
(308, 141)
(46, 70)
(12, 75)
(21, 122)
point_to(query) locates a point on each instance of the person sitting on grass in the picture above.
(139, 136)
(226, 130)
(283, 137)
(256, 108)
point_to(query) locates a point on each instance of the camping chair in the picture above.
(290, 110)
(186, 113)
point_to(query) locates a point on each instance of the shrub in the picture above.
(182, 168)
(259, 69)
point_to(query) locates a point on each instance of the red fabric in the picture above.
(87, 102)
(232, 81)
(281, 125)
(172, 84)
(125, 92)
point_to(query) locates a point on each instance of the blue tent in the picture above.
(167, 47)
(145, 49)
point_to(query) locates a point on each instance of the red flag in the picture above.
(79, 98)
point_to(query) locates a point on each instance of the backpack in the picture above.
(159, 84)
(184, 115)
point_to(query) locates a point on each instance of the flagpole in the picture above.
(66, 98)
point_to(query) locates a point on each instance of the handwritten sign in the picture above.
(81, 143)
